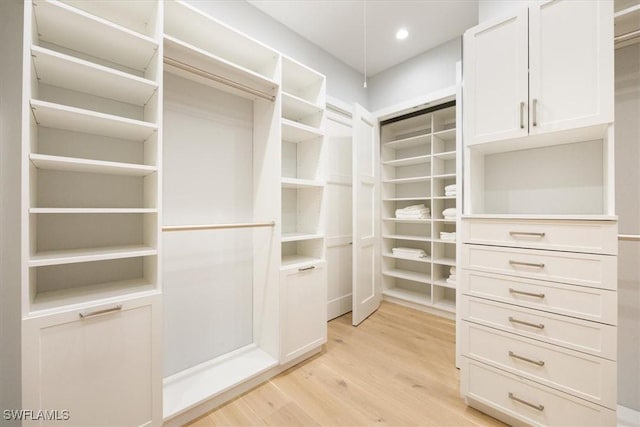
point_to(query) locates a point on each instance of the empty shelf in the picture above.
(298, 132)
(301, 183)
(444, 284)
(75, 29)
(48, 114)
(92, 210)
(445, 176)
(407, 180)
(298, 79)
(133, 14)
(408, 295)
(405, 237)
(296, 237)
(57, 69)
(408, 275)
(298, 260)
(417, 160)
(414, 141)
(445, 261)
(87, 255)
(446, 135)
(446, 305)
(72, 164)
(426, 259)
(446, 155)
(297, 109)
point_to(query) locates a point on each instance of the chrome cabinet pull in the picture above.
(529, 294)
(99, 312)
(522, 115)
(307, 268)
(522, 322)
(534, 107)
(524, 402)
(526, 359)
(526, 233)
(527, 264)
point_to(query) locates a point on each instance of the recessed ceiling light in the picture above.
(402, 34)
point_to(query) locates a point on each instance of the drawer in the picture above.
(596, 271)
(594, 304)
(582, 375)
(582, 335)
(526, 401)
(599, 237)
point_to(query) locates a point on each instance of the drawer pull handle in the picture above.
(526, 359)
(529, 294)
(307, 268)
(99, 312)
(522, 115)
(527, 264)
(526, 233)
(534, 111)
(522, 322)
(524, 402)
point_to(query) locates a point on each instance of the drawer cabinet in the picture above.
(527, 402)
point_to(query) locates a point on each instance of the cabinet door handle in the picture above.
(526, 233)
(99, 312)
(534, 109)
(529, 294)
(524, 402)
(522, 115)
(522, 322)
(527, 264)
(307, 268)
(526, 359)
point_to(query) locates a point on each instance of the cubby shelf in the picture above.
(133, 14)
(297, 260)
(413, 141)
(446, 305)
(391, 255)
(296, 237)
(407, 237)
(408, 221)
(408, 275)
(408, 295)
(300, 183)
(75, 29)
(92, 210)
(445, 155)
(49, 114)
(444, 176)
(445, 261)
(446, 135)
(450, 242)
(72, 164)
(302, 82)
(407, 180)
(443, 283)
(297, 109)
(298, 132)
(416, 160)
(72, 256)
(405, 199)
(65, 71)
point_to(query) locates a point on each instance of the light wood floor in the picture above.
(395, 369)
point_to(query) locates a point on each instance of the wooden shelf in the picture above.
(426, 260)
(297, 109)
(408, 221)
(446, 135)
(57, 69)
(414, 141)
(298, 132)
(408, 295)
(417, 160)
(89, 294)
(72, 164)
(445, 155)
(445, 261)
(407, 180)
(92, 210)
(298, 260)
(301, 183)
(88, 255)
(48, 114)
(72, 28)
(408, 275)
(210, 63)
(297, 237)
(406, 237)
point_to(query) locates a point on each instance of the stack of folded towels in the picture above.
(447, 235)
(451, 190)
(452, 276)
(449, 213)
(413, 212)
(409, 252)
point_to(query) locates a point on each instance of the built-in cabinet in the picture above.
(529, 74)
(538, 293)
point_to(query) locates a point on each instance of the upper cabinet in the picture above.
(543, 70)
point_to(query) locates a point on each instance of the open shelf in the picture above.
(444, 176)
(48, 114)
(443, 283)
(446, 155)
(296, 237)
(300, 110)
(406, 237)
(408, 275)
(413, 141)
(298, 260)
(301, 183)
(408, 295)
(446, 135)
(302, 82)
(57, 69)
(451, 242)
(88, 255)
(416, 160)
(137, 15)
(407, 180)
(408, 221)
(92, 210)
(297, 132)
(75, 29)
(405, 199)
(72, 164)
(426, 259)
(445, 261)
(446, 305)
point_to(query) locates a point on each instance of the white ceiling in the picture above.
(337, 26)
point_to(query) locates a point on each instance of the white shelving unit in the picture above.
(419, 159)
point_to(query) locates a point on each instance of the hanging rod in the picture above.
(632, 237)
(217, 226)
(627, 36)
(207, 75)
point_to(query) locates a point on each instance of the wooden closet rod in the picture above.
(632, 237)
(217, 226)
(627, 36)
(216, 78)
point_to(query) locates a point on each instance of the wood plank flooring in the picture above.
(395, 369)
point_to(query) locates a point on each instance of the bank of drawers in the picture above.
(539, 310)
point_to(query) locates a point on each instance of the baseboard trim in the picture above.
(628, 417)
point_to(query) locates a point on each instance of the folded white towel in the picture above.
(452, 187)
(415, 207)
(452, 271)
(409, 252)
(450, 193)
(451, 281)
(452, 212)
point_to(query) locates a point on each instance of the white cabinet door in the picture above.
(304, 309)
(495, 80)
(570, 56)
(104, 369)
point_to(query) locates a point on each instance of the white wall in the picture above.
(493, 9)
(11, 17)
(428, 72)
(343, 82)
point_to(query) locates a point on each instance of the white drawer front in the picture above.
(528, 401)
(594, 304)
(581, 335)
(589, 377)
(599, 237)
(597, 271)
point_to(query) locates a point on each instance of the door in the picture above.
(367, 292)
(571, 80)
(495, 80)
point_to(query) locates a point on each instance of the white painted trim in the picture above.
(339, 106)
(628, 417)
(423, 101)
